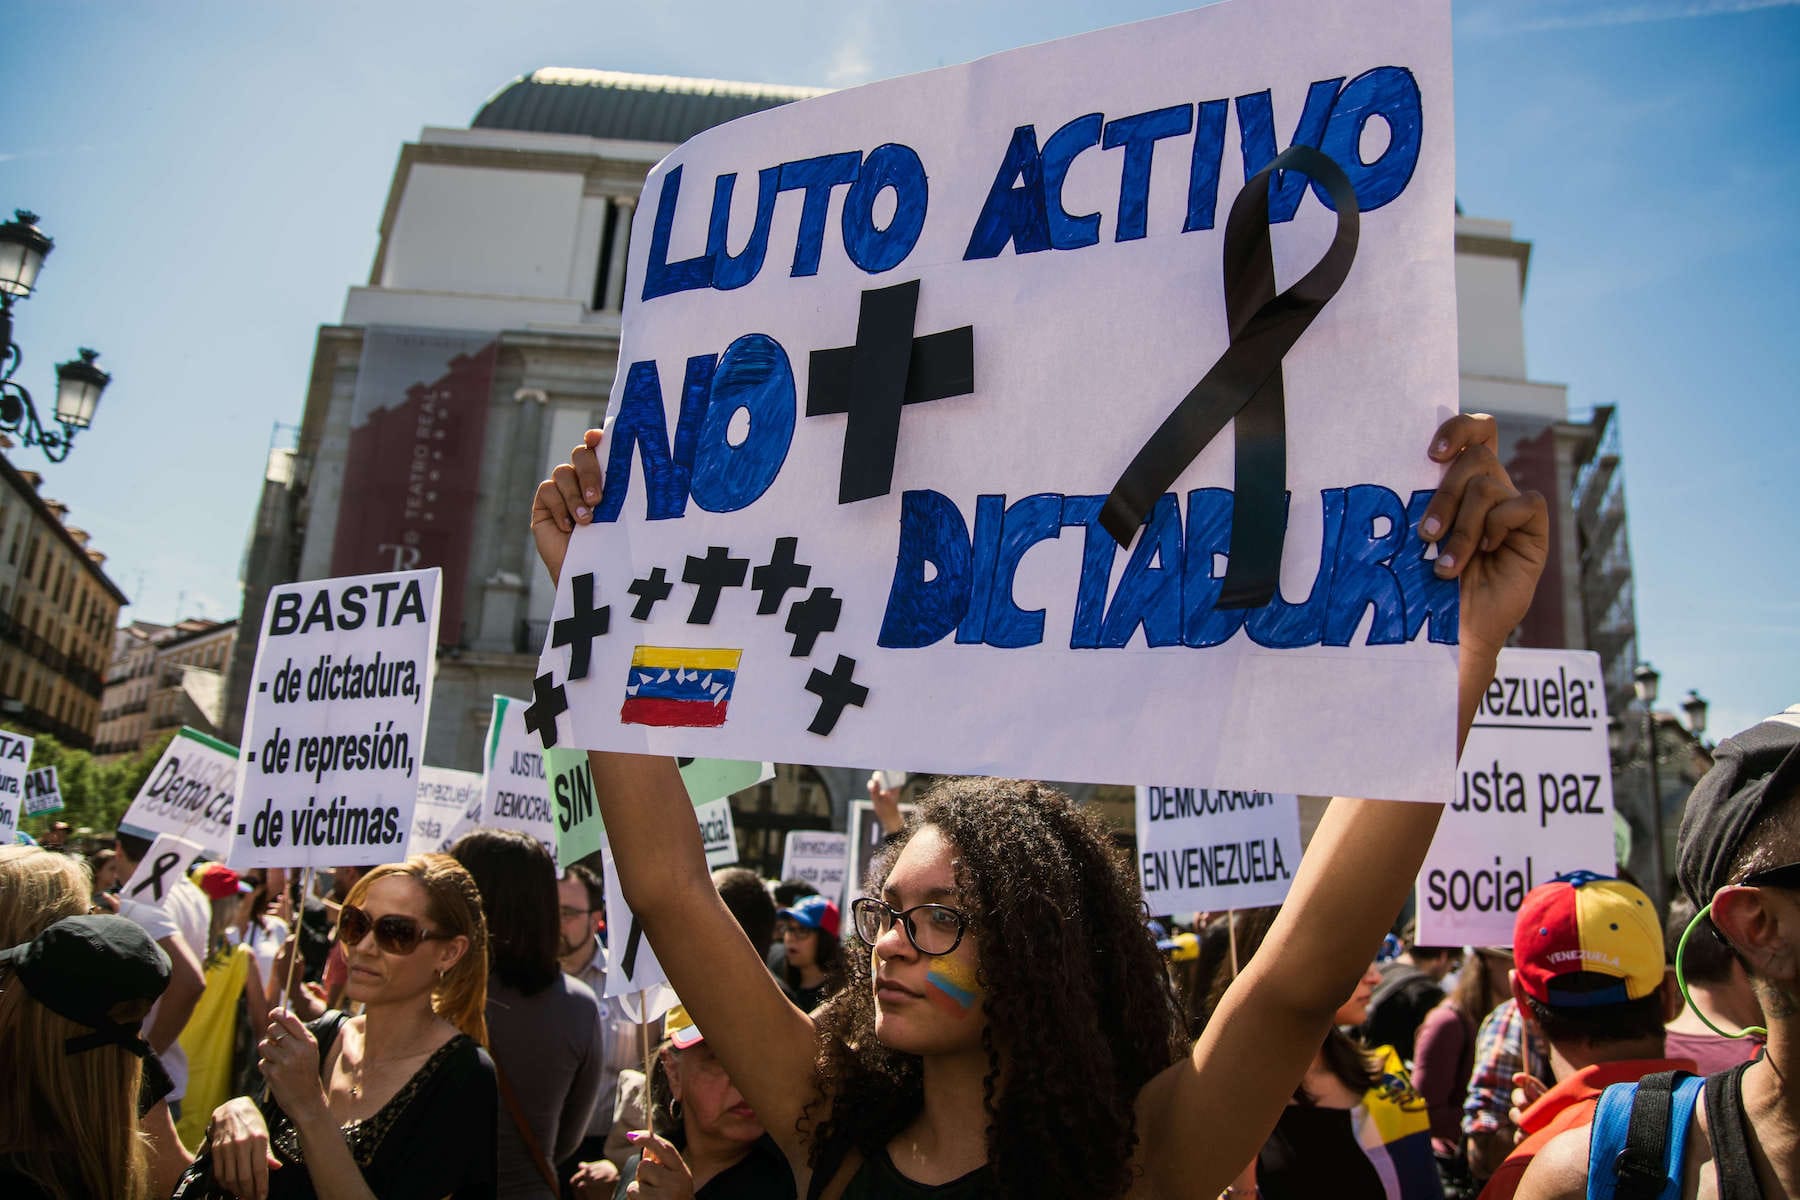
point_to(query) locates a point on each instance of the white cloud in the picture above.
(851, 61)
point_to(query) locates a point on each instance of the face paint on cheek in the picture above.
(952, 987)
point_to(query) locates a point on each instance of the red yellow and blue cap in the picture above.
(1584, 940)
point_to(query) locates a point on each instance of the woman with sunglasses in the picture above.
(1010, 1029)
(398, 1102)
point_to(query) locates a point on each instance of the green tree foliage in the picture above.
(95, 793)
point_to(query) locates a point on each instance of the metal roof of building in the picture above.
(625, 106)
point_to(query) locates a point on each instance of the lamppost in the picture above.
(1643, 683)
(1694, 708)
(79, 382)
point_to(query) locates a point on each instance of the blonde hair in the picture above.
(454, 904)
(70, 1119)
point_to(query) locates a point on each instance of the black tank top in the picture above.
(878, 1179)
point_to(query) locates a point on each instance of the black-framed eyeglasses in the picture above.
(933, 929)
(394, 933)
(1787, 876)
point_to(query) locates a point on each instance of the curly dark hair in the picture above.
(1079, 1007)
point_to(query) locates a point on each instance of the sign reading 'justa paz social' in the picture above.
(1533, 798)
(970, 418)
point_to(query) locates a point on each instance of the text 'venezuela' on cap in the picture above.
(1583, 940)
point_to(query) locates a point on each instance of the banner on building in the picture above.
(412, 477)
(190, 792)
(335, 732)
(449, 805)
(1208, 849)
(960, 421)
(15, 762)
(43, 793)
(1533, 798)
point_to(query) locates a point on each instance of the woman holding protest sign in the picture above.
(1011, 1030)
(397, 1102)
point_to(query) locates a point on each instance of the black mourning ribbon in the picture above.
(1245, 384)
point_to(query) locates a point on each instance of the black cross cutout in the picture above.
(649, 590)
(717, 570)
(579, 630)
(780, 573)
(808, 618)
(547, 703)
(835, 691)
(887, 368)
(632, 940)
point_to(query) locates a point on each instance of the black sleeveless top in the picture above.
(879, 1179)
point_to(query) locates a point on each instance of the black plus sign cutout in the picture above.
(649, 590)
(780, 573)
(548, 702)
(579, 630)
(885, 369)
(717, 570)
(835, 691)
(808, 618)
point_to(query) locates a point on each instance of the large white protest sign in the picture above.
(1533, 798)
(516, 788)
(189, 792)
(449, 805)
(163, 867)
(336, 726)
(43, 793)
(866, 835)
(15, 761)
(819, 857)
(1206, 849)
(632, 972)
(718, 834)
(895, 369)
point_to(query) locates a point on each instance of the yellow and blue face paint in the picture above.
(952, 987)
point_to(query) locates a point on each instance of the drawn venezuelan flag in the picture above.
(679, 686)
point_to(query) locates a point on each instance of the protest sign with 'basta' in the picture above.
(970, 418)
(1533, 798)
(1204, 849)
(335, 733)
(189, 792)
(15, 761)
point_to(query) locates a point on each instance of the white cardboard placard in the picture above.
(449, 805)
(741, 585)
(820, 857)
(43, 793)
(335, 732)
(1533, 798)
(189, 792)
(15, 761)
(1207, 849)
(718, 833)
(163, 866)
(515, 785)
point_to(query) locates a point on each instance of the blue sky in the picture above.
(214, 176)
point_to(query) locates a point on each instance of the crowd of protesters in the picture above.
(989, 1012)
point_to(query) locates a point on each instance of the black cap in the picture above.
(81, 967)
(1751, 771)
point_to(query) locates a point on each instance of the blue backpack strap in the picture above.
(1639, 1137)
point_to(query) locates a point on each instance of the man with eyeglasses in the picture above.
(1737, 1136)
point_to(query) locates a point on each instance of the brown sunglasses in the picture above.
(394, 933)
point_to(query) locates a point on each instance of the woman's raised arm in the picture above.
(1202, 1119)
(765, 1043)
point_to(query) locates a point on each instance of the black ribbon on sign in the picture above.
(165, 862)
(1245, 384)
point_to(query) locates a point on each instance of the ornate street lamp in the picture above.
(79, 382)
(1694, 707)
(1643, 683)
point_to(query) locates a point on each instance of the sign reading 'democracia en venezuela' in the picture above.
(990, 420)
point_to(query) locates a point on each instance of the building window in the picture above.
(607, 249)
